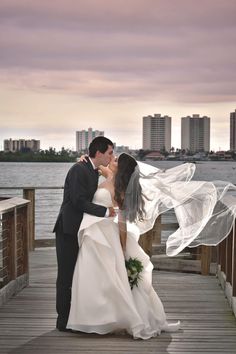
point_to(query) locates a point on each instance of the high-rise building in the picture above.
(11, 145)
(195, 133)
(157, 133)
(233, 131)
(121, 148)
(84, 138)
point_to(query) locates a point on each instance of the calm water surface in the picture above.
(30, 174)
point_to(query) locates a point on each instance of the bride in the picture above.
(102, 300)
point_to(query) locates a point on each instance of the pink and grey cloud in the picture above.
(148, 52)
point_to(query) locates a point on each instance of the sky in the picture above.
(68, 65)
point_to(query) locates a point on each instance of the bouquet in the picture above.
(134, 268)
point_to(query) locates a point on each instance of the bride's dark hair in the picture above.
(127, 166)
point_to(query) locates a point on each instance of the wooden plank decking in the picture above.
(27, 321)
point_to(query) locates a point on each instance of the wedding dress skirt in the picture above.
(102, 300)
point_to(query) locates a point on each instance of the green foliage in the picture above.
(50, 155)
(134, 268)
(141, 154)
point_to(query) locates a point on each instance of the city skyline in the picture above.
(148, 142)
(71, 64)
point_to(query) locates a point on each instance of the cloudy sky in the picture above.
(67, 65)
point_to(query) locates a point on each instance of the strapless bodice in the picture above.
(102, 197)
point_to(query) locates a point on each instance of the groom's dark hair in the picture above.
(100, 143)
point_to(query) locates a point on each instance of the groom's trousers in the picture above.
(67, 251)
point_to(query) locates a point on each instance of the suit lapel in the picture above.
(90, 166)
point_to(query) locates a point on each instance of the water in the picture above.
(206, 170)
(48, 201)
(32, 174)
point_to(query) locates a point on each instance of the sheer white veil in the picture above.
(204, 210)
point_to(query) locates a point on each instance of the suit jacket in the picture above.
(80, 185)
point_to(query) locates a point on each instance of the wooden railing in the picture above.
(200, 259)
(14, 253)
(34, 220)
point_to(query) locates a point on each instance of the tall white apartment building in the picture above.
(157, 132)
(233, 131)
(14, 145)
(195, 133)
(84, 138)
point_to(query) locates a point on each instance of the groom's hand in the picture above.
(112, 212)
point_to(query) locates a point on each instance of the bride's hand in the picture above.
(82, 158)
(105, 171)
(112, 212)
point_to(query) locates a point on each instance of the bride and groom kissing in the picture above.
(93, 294)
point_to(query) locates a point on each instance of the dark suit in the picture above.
(80, 186)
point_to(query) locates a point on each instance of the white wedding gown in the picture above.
(102, 300)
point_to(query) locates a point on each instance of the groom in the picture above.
(80, 185)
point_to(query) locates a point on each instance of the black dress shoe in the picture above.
(63, 329)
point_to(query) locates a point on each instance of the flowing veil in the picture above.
(205, 211)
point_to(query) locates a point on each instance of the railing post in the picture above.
(205, 260)
(223, 256)
(154, 235)
(145, 242)
(29, 193)
(229, 244)
(157, 231)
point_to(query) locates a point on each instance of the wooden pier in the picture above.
(27, 321)
(205, 305)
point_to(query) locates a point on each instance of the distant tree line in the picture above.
(50, 155)
(178, 154)
(67, 155)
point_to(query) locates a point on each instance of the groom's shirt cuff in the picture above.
(107, 213)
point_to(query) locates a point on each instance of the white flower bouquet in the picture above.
(134, 268)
